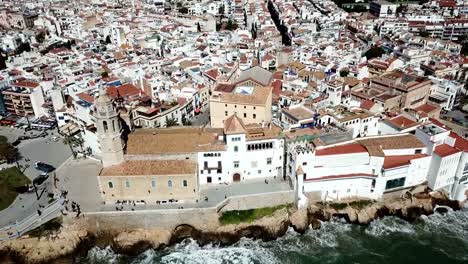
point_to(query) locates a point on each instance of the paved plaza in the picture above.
(39, 149)
(79, 178)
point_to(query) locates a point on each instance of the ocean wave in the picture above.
(246, 251)
(389, 225)
(102, 255)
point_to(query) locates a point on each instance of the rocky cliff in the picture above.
(73, 239)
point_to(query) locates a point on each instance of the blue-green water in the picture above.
(435, 239)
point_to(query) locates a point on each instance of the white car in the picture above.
(55, 138)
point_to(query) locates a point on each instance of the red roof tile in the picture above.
(398, 161)
(445, 150)
(123, 90)
(26, 84)
(342, 149)
(402, 122)
(426, 108)
(460, 143)
(367, 104)
(86, 97)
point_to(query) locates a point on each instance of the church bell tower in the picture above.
(108, 130)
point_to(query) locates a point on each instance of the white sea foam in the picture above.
(244, 252)
(102, 255)
(389, 225)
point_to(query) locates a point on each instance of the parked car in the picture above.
(44, 167)
(40, 179)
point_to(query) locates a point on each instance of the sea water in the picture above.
(439, 238)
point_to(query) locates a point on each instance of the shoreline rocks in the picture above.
(74, 240)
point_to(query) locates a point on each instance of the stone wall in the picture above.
(206, 218)
(258, 201)
(200, 218)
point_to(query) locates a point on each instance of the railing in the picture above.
(31, 222)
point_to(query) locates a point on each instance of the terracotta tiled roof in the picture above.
(26, 84)
(234, 125)
(173, 140)
(426, 108)
(399, 161)
(86, 97)
(367, 104)
(376, 145)
(445, 150)
(150, 167)
(341, 149)
(460, 143)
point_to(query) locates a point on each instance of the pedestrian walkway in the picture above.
(29, 223)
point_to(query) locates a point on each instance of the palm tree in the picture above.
(69, 141)
(171, 122)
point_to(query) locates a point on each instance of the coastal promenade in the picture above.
(29, 223)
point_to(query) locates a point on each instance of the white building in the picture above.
(249, 153)
(363, 168)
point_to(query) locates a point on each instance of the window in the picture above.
(226, 113)
(153, 183)
(269, 161)
(254, 107)
(236, 148)
(254, 116)
(127, 183)
(225, 105)
(418, 151)
(245, 107)
(169, 183)
(235, 106)
(304, 163)
(236, 164)
(111, 185)
(349, 190)
(395, 183)
(184, 183)
(465, 169)
(104, 124)
(245, 115)
(259, 171)
(253, 164)
(208, 179)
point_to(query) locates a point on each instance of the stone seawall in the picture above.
(134, 232)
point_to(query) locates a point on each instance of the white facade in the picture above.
(243, 159)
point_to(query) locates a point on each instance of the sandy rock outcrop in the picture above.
(136, 241)
(300, 220)
(45, 249)
(266, 228)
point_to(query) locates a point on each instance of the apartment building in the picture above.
(24, 98)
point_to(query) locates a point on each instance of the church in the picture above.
(158, 165)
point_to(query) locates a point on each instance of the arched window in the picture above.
(169, 183)
(185, 183)
(104, 124)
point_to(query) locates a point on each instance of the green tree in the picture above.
(374, 52)
(231, 25)
(8, 152)
(183, 10)
(171, 122)
(40, 37)
(221, 10)
(344, 73)
(104, 74)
